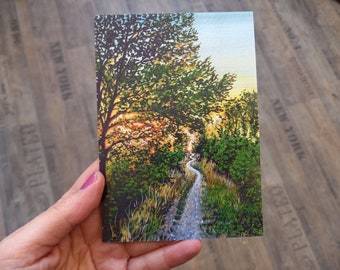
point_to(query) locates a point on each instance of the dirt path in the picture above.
(189, 224)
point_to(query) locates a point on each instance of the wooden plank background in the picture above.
(48, 119)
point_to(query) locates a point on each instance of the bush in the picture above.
(129, 181)
(237, 158)
(246, 163)
(222, 150)
(245, 172)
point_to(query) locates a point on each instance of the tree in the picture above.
(240, 116)
(150, 81)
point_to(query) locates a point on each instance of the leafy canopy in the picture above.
(150, 81)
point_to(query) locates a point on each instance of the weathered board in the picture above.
(48, 119)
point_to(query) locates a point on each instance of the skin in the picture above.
(68, 236)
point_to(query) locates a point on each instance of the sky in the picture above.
(228, 38)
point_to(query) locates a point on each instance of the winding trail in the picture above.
(188, 227)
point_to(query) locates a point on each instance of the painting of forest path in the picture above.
(178, 130)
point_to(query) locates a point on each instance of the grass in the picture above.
(145, 218)
(221, 204)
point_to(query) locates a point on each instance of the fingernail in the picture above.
(89, 181)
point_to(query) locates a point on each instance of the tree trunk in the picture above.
(103, 161)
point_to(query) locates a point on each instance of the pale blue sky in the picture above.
(228, 38)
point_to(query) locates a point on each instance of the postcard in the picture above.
(178, 130)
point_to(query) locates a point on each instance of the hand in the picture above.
(68, 236)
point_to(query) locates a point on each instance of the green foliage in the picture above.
(245, 172)
(237, 131)
(168, 159)
(235, 153)
(137, 177)
(228, 211)
(129, 180)
(222, 150)
(245, 164)
(222, 212)
(144, 219)
(240, 116)
(149, 65)
(238, 158)
(220, 204)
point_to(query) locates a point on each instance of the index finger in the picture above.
(166, 257)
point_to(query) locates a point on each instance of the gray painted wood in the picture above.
(48, 120)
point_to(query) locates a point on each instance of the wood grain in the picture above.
(48, 119)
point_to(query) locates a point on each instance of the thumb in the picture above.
(77, 204)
